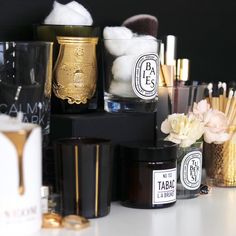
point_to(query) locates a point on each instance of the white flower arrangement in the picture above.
(186, 129)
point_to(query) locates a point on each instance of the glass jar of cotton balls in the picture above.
(131, 71)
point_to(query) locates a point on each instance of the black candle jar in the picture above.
(148, 175)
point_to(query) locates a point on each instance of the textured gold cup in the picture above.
(75, 71)
(220, 162)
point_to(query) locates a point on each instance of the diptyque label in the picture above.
(164, 186)
(191, 170)
(145, 76)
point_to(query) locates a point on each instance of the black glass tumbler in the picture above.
(83, 176)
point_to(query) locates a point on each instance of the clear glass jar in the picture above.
(131, 74)
(189, 171)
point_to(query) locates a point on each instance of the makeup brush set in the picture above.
(223, 99)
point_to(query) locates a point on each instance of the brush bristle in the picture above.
(142, 24)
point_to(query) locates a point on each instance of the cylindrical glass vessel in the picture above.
(83, 176)
(47, 32)
(189, 171)
(148, 174)
(25, 81)
(75, 73)
(131, 74)
(220, 162)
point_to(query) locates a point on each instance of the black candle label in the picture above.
(164, 186)
(191, 170)
(145, 76)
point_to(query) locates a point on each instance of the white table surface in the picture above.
(207, 215)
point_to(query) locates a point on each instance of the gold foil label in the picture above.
(75, 72)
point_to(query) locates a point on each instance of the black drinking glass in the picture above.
(83, 176)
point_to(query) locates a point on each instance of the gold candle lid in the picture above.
(75, 222)
(51, 220)
(182, 70)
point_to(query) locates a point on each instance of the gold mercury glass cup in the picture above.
(75, 71)
(220, 162)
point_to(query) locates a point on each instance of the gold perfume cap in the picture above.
(182, 70)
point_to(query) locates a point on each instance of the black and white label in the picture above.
(145, 76)
(191, 170)
(164, 186)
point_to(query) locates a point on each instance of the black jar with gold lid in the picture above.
(148, 174)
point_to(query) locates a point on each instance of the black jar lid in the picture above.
(147, 151)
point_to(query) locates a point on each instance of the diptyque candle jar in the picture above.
(148, 174)
(131, 69)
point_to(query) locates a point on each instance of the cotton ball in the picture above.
(117, 32)
(117, 39)
(122, 68)
(81, 10)
(142, 45)
(121, 88)
(69, 14)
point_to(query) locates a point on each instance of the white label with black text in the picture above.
(191, 170)
(164, 186)
(145, 76)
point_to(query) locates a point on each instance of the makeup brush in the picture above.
(231, 93)
(231, 112)
(210, 89)
(224, 86)
(221, 96)
(142, 24)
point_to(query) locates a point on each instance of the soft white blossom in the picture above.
(202, 121)
(182, 129)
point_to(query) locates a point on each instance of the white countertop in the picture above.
(207, 215)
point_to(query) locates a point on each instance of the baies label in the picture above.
(145, 76)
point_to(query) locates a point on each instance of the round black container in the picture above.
(83, 176)
(148, 174)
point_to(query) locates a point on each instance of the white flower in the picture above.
(216, 126)
(183, 130)
(200, 108)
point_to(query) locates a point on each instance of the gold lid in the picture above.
(75, 222)
(75, 40)
(51, 220)
(182, 73)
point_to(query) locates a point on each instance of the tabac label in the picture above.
(191, 169)
(164, 186)
(145, 76)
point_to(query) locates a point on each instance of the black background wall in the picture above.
(205, 28)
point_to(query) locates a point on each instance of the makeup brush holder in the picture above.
(220, 163)
(131, 74)
(177, 99)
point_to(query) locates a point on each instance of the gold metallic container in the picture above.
(75, 71)
(220, 163)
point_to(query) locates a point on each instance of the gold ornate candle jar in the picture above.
(75, 71)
